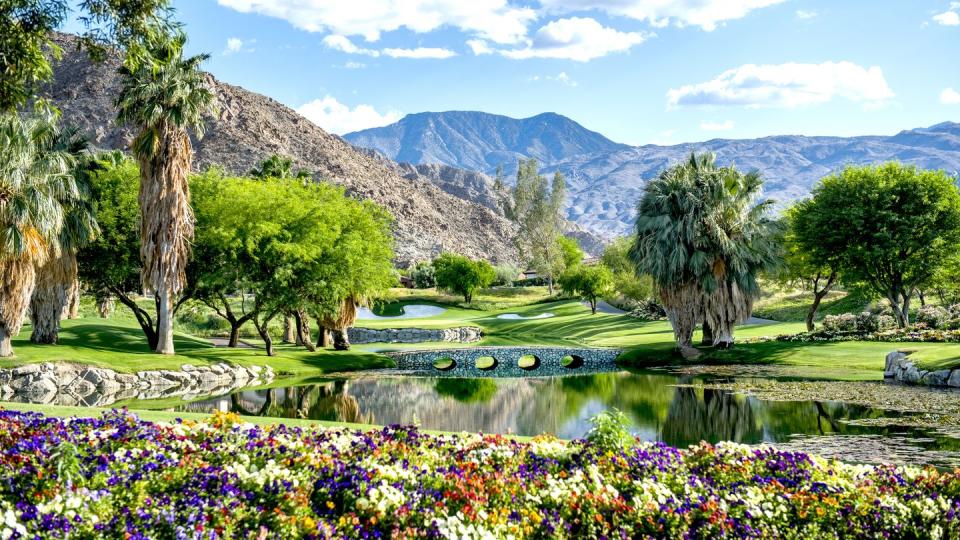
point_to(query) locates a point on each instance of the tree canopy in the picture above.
(461, 275)
(589, 282)
(889, 226)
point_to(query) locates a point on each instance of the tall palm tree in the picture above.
(703, 238)
(165, 95)
(57, 287)
(33, 181)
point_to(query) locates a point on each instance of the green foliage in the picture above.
(35, 181)
(422, 275)
(277, 166)
(27, 47)
(635, 288)
(570, 251)
(292, 245)
(466, 390)
(610, 431)
(112, 260)
(536, 205)
(589, 282)
(163, 91)
(460, 275)
(506, 273)
(889, 226)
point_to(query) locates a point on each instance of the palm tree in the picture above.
(703, 238)
(277, 166)
(340, 322)
(165, 95)
(57, 287)
(33, 181)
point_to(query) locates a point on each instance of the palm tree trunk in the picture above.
(74, 311)
(166, 223)
(164, 324)
(50, 301)
(6, 347)
(707, 339)
(684, 309)
(17, 280)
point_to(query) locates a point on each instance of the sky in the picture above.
(637, 71)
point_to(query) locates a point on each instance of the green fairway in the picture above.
(118, 343)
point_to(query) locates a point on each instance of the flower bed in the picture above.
(118, 477)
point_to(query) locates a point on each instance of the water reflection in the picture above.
(660, 407)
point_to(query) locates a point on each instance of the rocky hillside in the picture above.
(605, 183)
(481, 141)
(249, 127)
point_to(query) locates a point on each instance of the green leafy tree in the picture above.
(506, 273)
(460, 275)
(570, 251)
(34, 182)
(165, 96)
(277, 166)
(536, 205)
(26, 41)
(890, 227)
(284, 246)
(801, 265)
(589, 282)
(630, 286)
(422, 275)
(703, 237)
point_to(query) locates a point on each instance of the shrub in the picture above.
(649, 310)
(846, 322)
(868, 322)
(933, 316)
(609, 431)
(423, 276)
(506, 273)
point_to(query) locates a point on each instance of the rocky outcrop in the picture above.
(462, 334)
(249, 127)
(899, 368)
(75, 384)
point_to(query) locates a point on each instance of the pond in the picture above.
(679, 408)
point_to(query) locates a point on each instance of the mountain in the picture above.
(605, 183)
(249, 127)
(480, 141)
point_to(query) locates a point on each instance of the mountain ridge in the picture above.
(249, 127)
(605, 183)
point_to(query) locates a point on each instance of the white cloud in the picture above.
(494, 20)
(560, 78)
(343, 44)
(479, 46)
(233, 45)
(706, 14)
(786, 85)
(236, 45)
(717, 126)
(805, 14)
(950, 17)
(576, 38)
(420, 52)
(949, 96)
(354, 65)
(338, 118)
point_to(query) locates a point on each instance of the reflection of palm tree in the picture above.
(335, 403)
(717, 416)
(237, 405)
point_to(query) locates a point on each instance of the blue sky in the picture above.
(638, 71)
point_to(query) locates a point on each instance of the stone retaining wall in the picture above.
(463, 334)
(899, 368)
(549, 361)
(75, 384)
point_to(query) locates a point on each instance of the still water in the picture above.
(659, 405)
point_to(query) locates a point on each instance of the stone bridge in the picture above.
(506, 361)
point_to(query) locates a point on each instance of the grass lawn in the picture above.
(118, 343)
